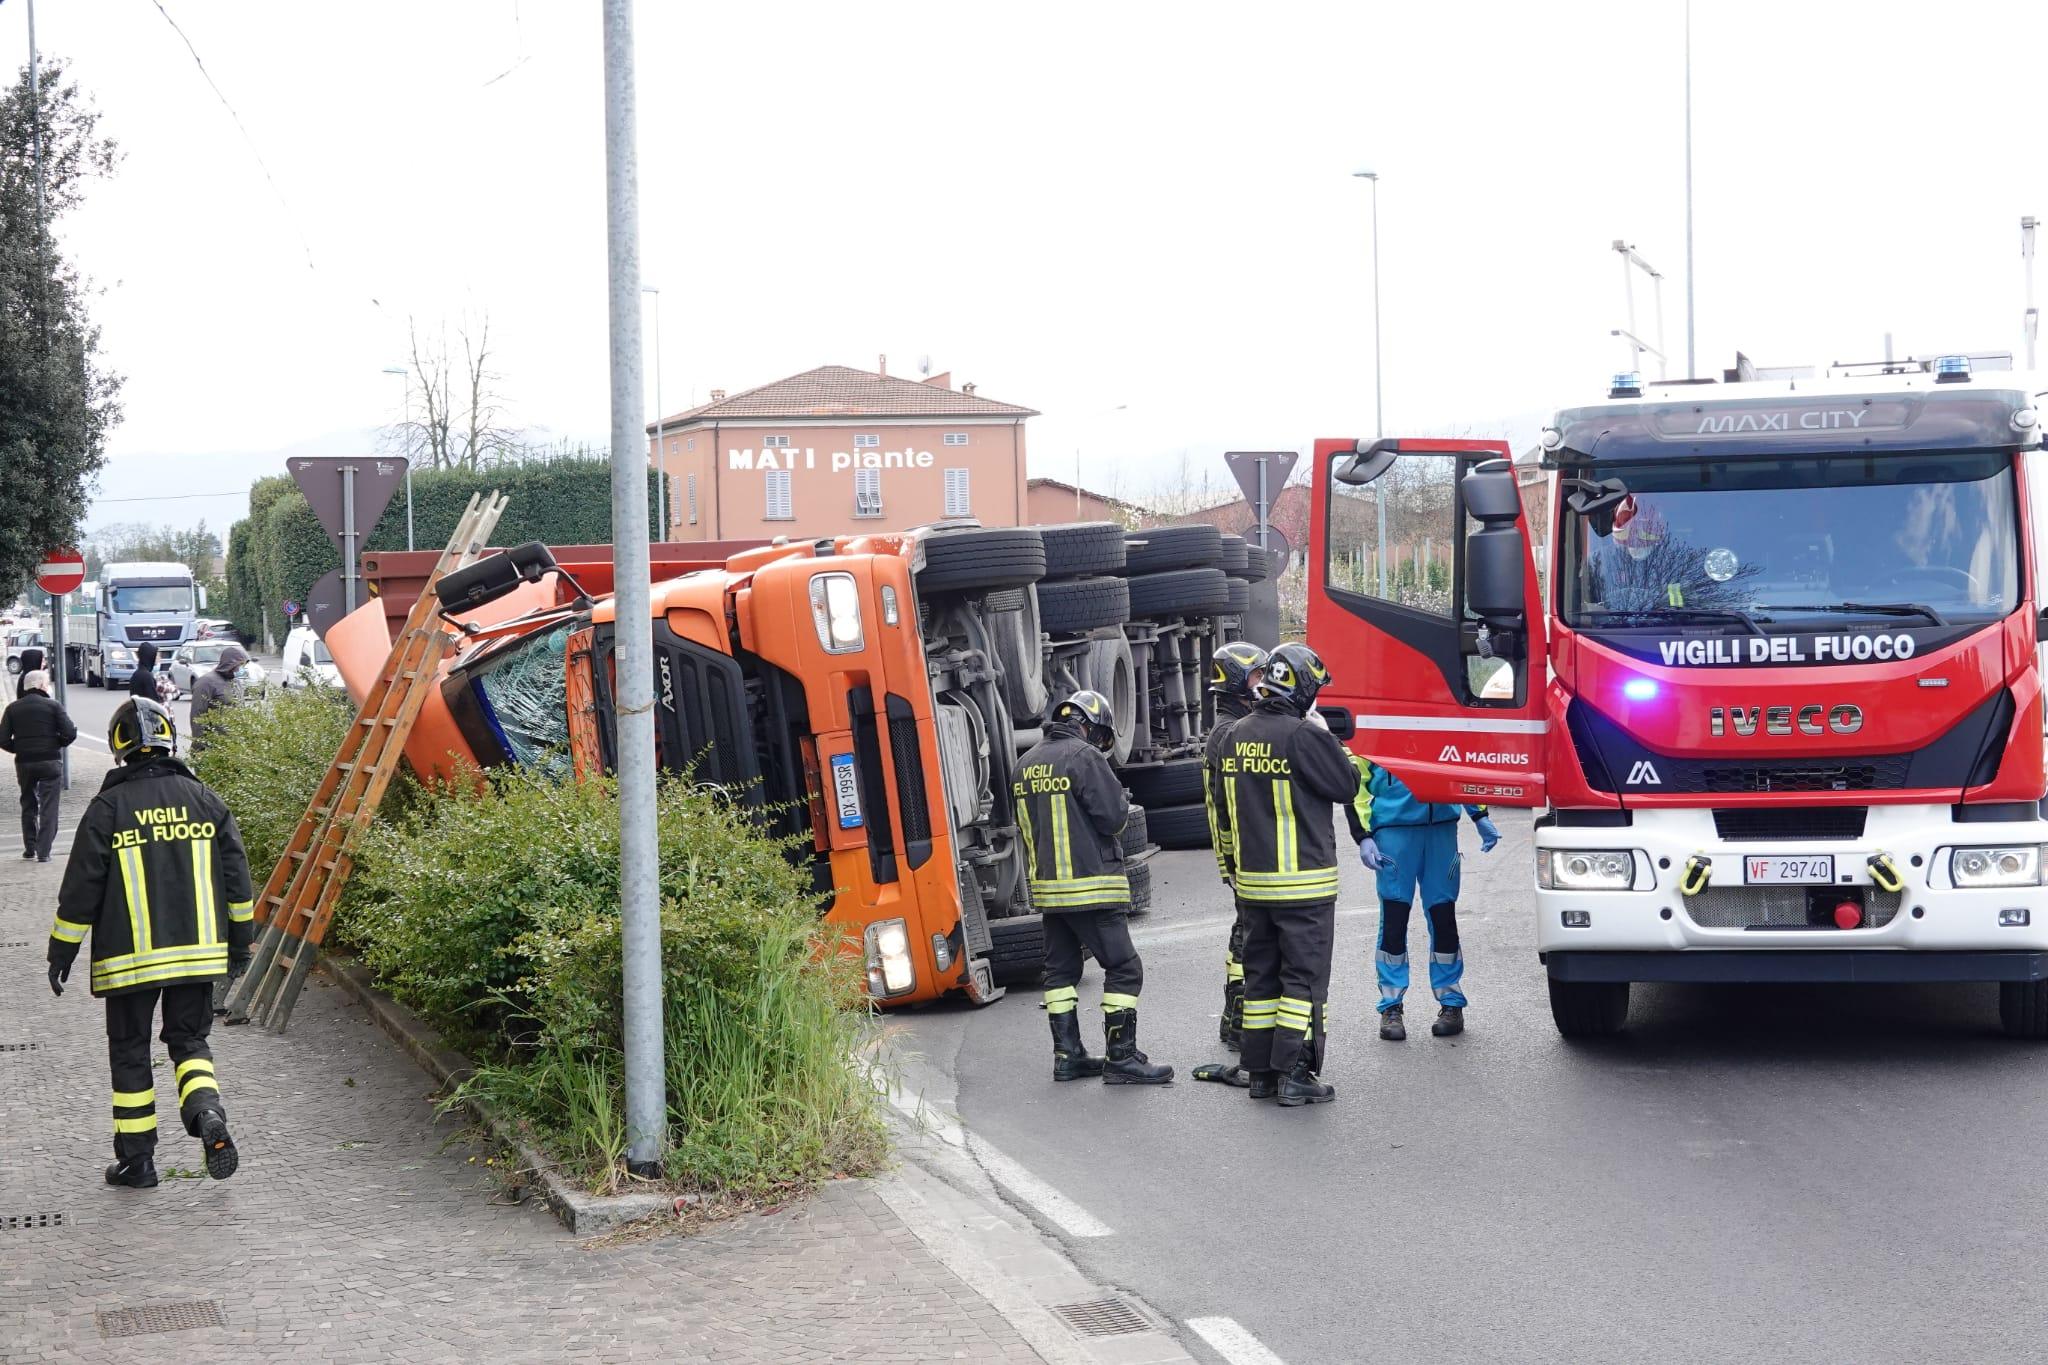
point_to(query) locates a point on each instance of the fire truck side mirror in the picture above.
(1494, 554)
(1368, 462)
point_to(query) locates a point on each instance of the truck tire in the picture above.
(1240, 597)
(1588, 1009)
(74, 670)
(1196, 546)
(2023, 1008)
(1137, 835)
(1016, 955)
(1083, 547)
(1013, 627)
(1000, 557)
(1082, 604)
(1177, 782)
(1180, 826)
(1235, 552)
(1179, 592)
(1257, 566)
(1111, 672)
(1140, 875)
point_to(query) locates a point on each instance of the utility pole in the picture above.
(639, 853)
(660, 424)
(1379, 409)
(2030, 321)
(1691, 364)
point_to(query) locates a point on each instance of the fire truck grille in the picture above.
(1868, 773)
(1792, 822)
(1784, 907)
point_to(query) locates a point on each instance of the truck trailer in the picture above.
(1775, 691)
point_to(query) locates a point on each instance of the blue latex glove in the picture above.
(1488, 835)
(1369, 854)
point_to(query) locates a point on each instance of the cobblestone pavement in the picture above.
(360, 1228)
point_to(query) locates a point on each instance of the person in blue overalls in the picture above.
(1413, 845)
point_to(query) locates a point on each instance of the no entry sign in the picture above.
(60, 572)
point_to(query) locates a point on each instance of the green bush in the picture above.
(266, 756)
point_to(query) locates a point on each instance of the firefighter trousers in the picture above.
(188, 1016)
(1107, 936)
(1287, 947)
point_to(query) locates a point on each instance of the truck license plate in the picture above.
(846, 792)
(1788, 867)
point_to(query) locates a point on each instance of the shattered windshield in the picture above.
(1928, 537)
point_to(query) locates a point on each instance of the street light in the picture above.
(660, 421)
(1379, 423)
(405, 415)
(1077, 460)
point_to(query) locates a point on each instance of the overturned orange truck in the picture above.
(867, 693)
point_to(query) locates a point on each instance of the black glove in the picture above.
(59, 974)
(237, 966)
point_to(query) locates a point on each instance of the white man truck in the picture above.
(131, 604)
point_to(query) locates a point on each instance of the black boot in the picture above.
(1300, 1086)
(1393, 1028)
(1230, 1027)
(1265, 1085)
(221, 1157)
(1449, 1020)
(1125, 1065)
(136, 1172)
(1070, 1059)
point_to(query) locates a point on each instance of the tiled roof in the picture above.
(839, 391)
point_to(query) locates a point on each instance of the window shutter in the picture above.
(957, 502)
(692, 483)
(867, 492)
(780, 506)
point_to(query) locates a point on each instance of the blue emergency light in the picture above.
(1628, 384)
(1952, 369)
(1639, 689)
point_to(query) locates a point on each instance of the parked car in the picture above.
(16, 640)
(193, 659)
(212, 628)
(307, 662)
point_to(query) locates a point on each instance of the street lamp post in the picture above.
(404, 415)
(660, 422)
(1379, 421)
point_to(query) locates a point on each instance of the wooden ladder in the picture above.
(299, 899)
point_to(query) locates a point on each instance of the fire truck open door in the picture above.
(1424, 602)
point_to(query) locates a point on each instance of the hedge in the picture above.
(279, 551)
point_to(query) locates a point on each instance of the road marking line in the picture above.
(1228, 1338)
(1063, 1212)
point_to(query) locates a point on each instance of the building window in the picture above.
(689, 443)
(780, 507)
(671, 445)
(866, 442)
(956, 438)
(956, 493)
(775, 442)
(867, 492)
(691, 486)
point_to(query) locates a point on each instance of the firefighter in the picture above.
(158, 878)
(1412, 846)
(1233, 676)
(1282, 773)
(1071, 812)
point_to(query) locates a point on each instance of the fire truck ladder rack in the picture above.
(299, 899)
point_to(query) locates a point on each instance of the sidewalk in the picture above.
(360, 1229)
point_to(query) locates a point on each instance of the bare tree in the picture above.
(461, 418)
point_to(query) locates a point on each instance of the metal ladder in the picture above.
(299, 899)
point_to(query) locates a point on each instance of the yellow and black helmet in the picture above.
(1294, 674)
(142, 726)
(1233, 669)
(1090, 711)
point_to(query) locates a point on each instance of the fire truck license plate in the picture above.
(1788, 867)
(846, 792)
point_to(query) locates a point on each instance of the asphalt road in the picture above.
(1757, 1173)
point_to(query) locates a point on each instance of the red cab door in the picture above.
(1424, 602)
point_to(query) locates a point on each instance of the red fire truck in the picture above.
(1775, 692)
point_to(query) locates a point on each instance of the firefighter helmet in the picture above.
(141, 725)
(1232, 669)
(1294, 674)
(1090, 711)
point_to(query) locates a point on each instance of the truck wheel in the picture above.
(1235, 552)
(1588, 1009)
(1002, 557)
(1082, 604)
(1177, 782)
(1257, 567)
(1140, 875)
(2023, 1008)
(1240, 597)
(1016, 950)
(1137, 834)
(1083, 547)
(1157, 548)
(1180, 826)
(1179, 592)
(93, 679)
(1111, 672)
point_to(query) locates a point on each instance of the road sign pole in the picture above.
(348, 536)
(56, 664)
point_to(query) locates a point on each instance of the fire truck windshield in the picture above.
(1819, 538)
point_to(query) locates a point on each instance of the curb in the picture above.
(583, 1214)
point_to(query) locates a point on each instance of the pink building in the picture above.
(837, 450)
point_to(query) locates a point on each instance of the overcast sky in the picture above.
(1075, 206)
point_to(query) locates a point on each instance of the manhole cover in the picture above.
(19, 1047)
(22, 1222)
(1102, 1318)
(160, 1317)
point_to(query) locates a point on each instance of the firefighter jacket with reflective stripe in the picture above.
(1384, 801)
(158, 878)
(1071, 812)
(1281, 776)
(1229, 710)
